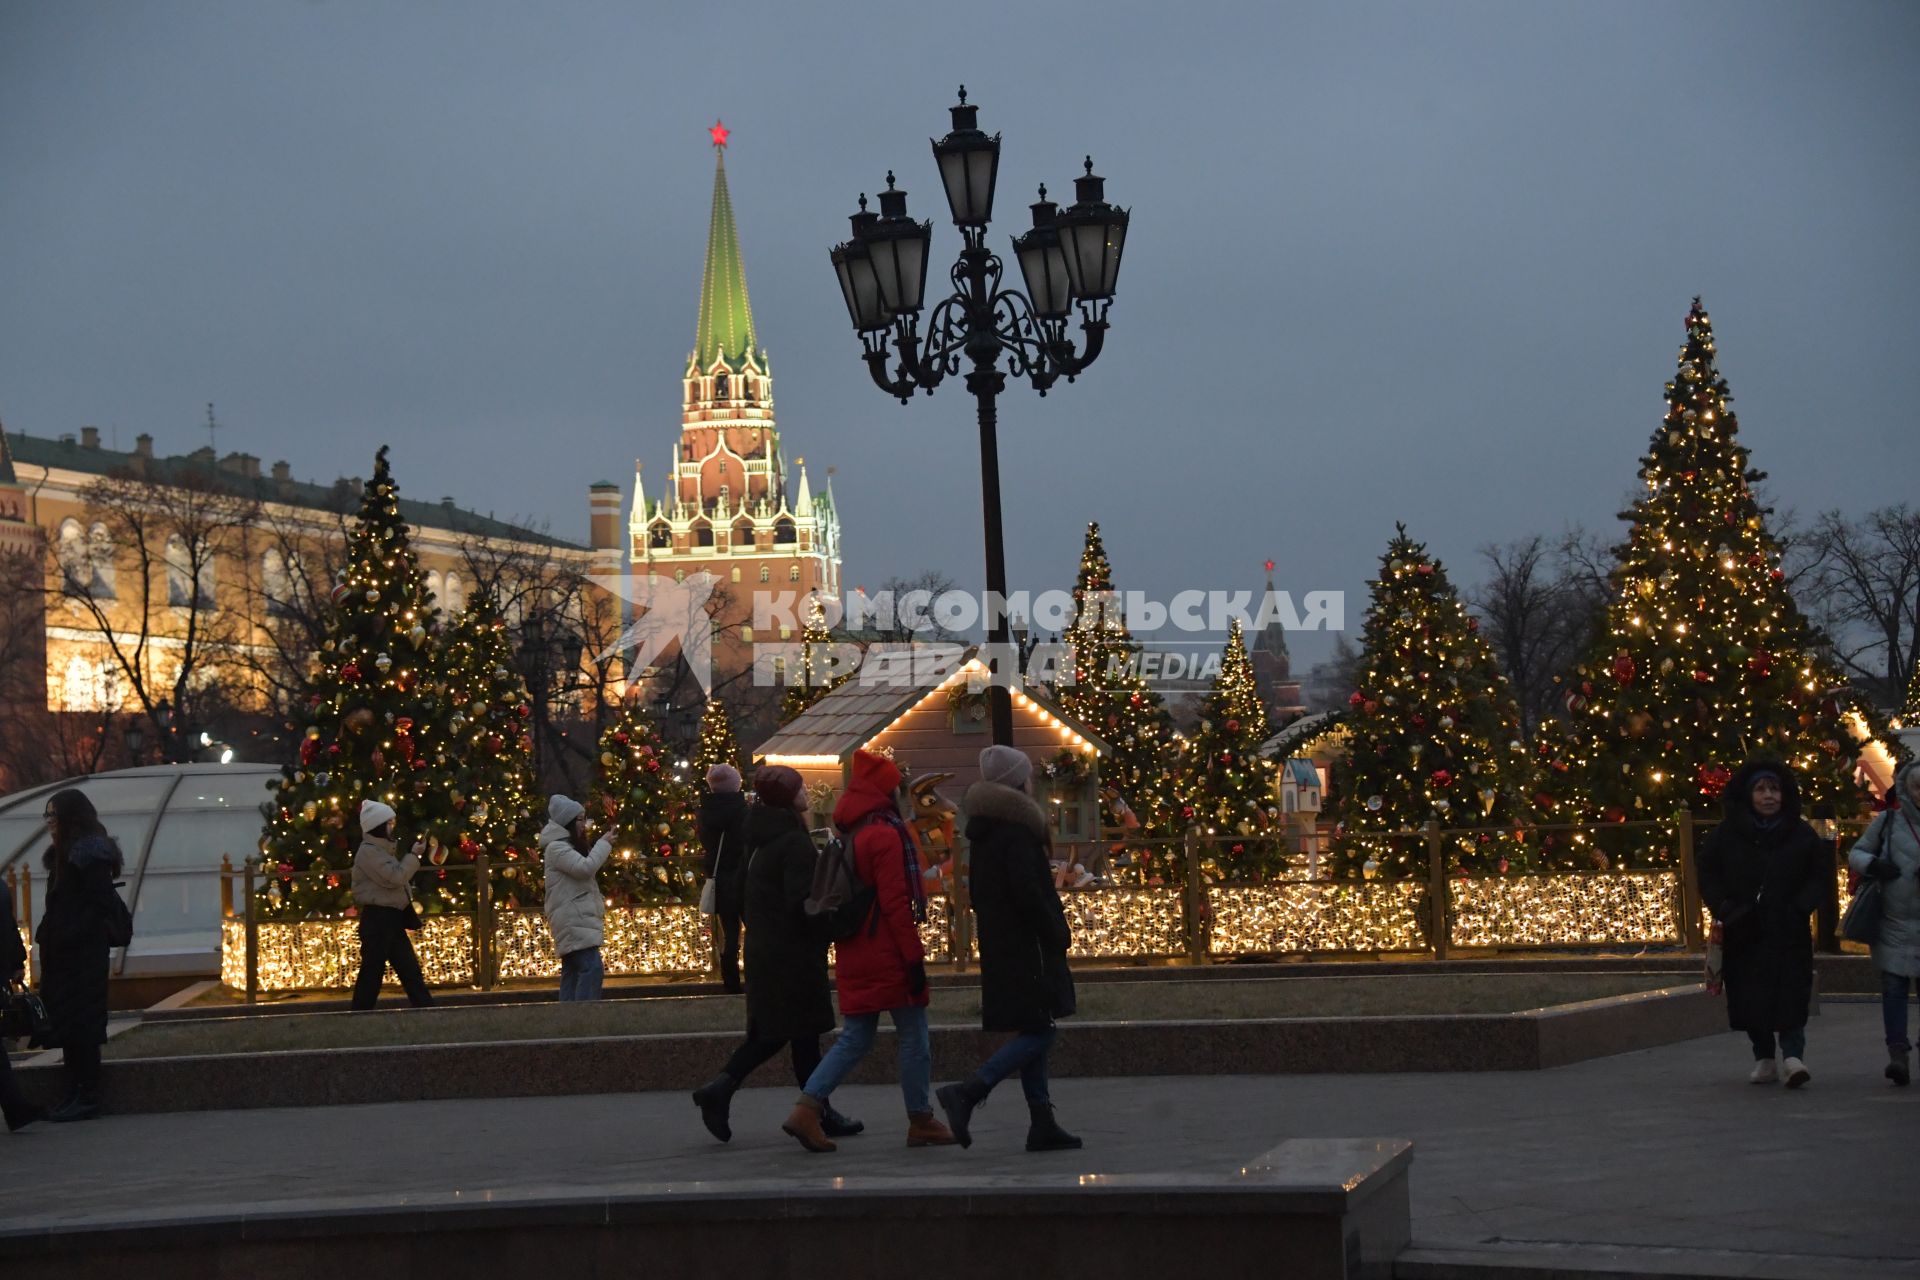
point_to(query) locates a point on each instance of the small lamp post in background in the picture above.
(549, 666)
(1070, 257)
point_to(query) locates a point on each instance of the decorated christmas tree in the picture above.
(818, 673)
(1910, 713)
(1229, 786)
(496, 794)
(1101, 685)
(647, 807)
(1434, 733)
(717, 743)
(1705, 661)
(372, 729)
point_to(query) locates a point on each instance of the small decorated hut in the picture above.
(939, 728)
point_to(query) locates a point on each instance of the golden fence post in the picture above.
(253, 935)
(1436, 891)
(226, 886)
(482, 924)
(1190, 901)
(1690, 933)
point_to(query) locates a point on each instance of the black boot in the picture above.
(1897, 1067)
(714, 1098)
(835, 1125)
(1044, 1132)
(958, 1101)
(81, 1106)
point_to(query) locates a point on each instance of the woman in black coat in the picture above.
(1024, 980)
(14, 1107)
(723, 834)
(789, 999)
(1761, 876)
(81, 861)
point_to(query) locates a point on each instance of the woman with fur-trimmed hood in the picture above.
(1761, 876)
(1889, 852)
(1024, 980)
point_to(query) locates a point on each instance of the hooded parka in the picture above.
(1761, 882)
(874, 967)
(1895, 834)
(1024, 980)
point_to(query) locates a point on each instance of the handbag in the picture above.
(709, 892)
(1861, 923)
(410, 918)
(25, 1016)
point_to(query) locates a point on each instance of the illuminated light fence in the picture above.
(1316, 916)
(1115, 922)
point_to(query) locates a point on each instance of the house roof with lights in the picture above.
(829, 732)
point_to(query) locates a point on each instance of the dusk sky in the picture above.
(1420, 262)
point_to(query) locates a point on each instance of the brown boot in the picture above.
(924, 1131)
(804, 1124)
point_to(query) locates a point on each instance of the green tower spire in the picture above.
(726, 316)
(6, 460)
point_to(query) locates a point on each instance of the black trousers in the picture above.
(756, 1050)
(729, 950)
(383, 942)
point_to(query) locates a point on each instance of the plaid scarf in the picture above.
(910, 863)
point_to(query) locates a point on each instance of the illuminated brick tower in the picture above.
(731, 505)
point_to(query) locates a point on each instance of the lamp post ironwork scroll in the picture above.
(1068, 259)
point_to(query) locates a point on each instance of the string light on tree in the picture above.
(374, 727)
(1100, 684)
(496, 795)
(641, 794)
(1229, 785)
(1705, 661)
(1435, 732)
(717, 743)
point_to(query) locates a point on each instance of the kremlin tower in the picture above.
(732, 503)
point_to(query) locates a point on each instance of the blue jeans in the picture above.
(580, 974)
(856, 1038)
(1793, 1044)
(1027, 1054)
(1893, 1007)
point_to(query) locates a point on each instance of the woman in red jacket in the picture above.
(881, 967)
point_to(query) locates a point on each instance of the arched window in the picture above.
(276, 583)
(100, 560)
(179, 573)
(679, 575)
(660, 536)
(75, 572)
(766, 573)
(783, 532)
(719, 386)
(703, 535)
(89, 684)
(736, 573)
(793, 573)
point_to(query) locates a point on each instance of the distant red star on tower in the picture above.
(719, 133)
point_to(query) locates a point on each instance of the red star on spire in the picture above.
(1269, 566)
(719, 133)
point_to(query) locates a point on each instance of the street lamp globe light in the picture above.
(859, 284)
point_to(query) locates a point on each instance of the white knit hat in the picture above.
(374, 815)
(564, 809)
(1008, 766)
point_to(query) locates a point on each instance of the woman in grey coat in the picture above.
(1889, 852)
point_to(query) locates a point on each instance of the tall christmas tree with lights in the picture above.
(374, 728)
(1910, 712)
(1229, 786)
(717, 744)
(1434, 732)
(819, 672)
(495, 792)
(1101, 685)
(1705, 661)
(642, 795)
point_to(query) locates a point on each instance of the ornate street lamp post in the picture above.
(1070, 257)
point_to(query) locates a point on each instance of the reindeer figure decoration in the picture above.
(933, 821)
